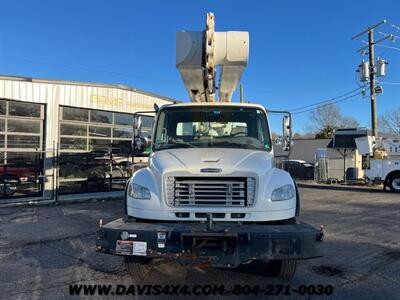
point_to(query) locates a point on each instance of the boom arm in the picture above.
(198, 53)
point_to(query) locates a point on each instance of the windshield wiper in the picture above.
(174, 144)
(233, 144)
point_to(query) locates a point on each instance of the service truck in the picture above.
(211, 195)
(382, 160)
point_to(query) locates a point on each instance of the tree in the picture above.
(390, 121)
(274, 135)
(325, 119)
(297, 135)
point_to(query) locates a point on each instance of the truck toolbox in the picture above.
(222, 245)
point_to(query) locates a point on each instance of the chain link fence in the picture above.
(333, 170)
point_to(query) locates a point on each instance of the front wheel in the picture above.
(284, 268)
(138, 268)
(394, 183)
(155, 270)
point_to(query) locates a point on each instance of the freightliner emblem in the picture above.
(211, 170)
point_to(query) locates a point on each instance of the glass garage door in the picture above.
(21, 149)
(95, 150)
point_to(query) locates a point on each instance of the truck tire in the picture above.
(138, 268)
(8, 185)
(394, 183)
(284, 268)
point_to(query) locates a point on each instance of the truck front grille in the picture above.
(210, 191)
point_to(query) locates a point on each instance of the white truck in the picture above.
(382, 160)
(211, 194)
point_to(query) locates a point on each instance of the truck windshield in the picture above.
(212, 127)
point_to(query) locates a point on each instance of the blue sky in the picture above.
(301, 52)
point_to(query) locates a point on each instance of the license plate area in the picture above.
(195, 242)
(131, 248)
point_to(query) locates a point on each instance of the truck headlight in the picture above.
(138, 191)
(283, 193)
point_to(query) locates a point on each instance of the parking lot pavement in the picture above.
(45, 249)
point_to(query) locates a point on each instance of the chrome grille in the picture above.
(210, 191)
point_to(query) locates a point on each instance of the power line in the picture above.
(397, 28)
(391, 36)
(389, 47)
(392, 83)
(325, 101)
(87, 69)
(327, 104)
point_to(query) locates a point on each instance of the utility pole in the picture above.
(241, 93)
(371, 70)
(371, 55)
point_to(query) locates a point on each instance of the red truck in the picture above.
(11, 176)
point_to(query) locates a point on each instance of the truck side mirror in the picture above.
(137, 125)
(141, 140)
(287, 133)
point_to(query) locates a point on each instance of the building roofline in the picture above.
(85, 83)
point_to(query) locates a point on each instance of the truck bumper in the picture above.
(223, 245)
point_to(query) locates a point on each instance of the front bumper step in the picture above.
(225, 245)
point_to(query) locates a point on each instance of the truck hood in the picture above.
(221, 161)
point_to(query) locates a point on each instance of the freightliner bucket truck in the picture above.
(211, 194)
(382, 160)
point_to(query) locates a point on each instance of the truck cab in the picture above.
(212, 159)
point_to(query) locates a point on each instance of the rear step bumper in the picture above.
(225, 245)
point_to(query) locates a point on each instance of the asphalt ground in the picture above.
(45, 249)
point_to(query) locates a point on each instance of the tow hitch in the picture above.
(196, 242)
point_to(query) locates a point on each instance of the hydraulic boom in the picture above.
(198, 53)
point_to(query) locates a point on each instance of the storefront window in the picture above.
(23, 109)
(3, 107)
(99, 131)
(123, 133)
(23, 158)
(97, 137)
(97, 116)
(21, 137)
(71, 129)
(99, 144)
(123, 119)
(73, 143)
(25, 126)
(96, 153)
(75, 114)
(23, 141)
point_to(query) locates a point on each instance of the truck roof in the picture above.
(236, 104)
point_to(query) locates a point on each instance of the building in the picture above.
(335, 157)
(60, 137)
(313, 151)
